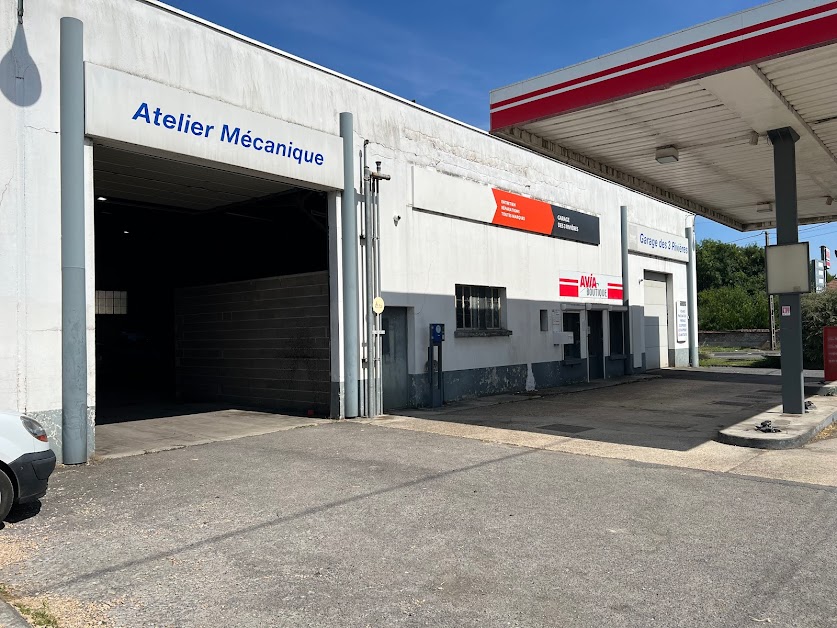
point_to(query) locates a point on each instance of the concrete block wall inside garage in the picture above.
(261, 343)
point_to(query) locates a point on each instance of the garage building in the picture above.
(185, 222)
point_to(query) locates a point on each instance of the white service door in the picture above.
(656, 321)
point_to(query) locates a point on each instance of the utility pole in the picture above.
(770, 300)
(826, 263)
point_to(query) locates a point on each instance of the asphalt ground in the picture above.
(678, 410)
(347, 524)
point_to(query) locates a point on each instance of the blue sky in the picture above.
(448, 55)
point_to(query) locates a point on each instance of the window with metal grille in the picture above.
(111, 302)
(479, 307)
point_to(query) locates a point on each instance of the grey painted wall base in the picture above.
(52, 422)
(681, 356)
(338, 389)
(470, 383)
(556, 373)
(617, 367)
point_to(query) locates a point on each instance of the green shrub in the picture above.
(732, 307)
(818, 311)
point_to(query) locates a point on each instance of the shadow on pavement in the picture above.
(109, 414)
(22, 512)
(678, 411)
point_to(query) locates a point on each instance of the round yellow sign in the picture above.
(377, 305)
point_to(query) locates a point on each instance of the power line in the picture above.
(806, 230)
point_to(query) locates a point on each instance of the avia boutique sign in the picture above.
(126, 108)
(590, 287)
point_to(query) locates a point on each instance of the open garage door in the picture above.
(656, 320)
(211, 288)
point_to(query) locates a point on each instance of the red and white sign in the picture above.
(829, 347)
(590, 287)
(826, 256)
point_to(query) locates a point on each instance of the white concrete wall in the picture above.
(423, 256)
(669, 220)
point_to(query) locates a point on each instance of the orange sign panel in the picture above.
(519, 212)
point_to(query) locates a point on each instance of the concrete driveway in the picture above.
(672, 419)
(349, 525)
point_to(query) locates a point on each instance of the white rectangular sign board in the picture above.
(682, 321)
(659, 243)
(134, 110)
(788, 268)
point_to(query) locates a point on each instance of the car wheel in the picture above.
(7, 495)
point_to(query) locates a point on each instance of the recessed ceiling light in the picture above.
(667, 155)
(101, 198)
(764, 208)
(754, 138)
(829, 200)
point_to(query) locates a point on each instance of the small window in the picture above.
(544, 320)
(111, 302)
(617, 333)
(479, 307)
(572, 323)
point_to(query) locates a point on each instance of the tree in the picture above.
(720, 264)
(732, 307)
(731, 286)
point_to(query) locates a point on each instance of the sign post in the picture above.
(825, 254)
(434, 365)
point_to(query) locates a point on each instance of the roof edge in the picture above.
(684, 37)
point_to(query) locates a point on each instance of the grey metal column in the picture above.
(73, 301)
(351, 346)
(691, 294)
(626, 291)
(787, 232)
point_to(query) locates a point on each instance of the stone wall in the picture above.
(740, 338)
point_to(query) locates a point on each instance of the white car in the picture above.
(26, 461)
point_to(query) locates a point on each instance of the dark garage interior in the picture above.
(211, 287)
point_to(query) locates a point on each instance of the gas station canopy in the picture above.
(685, 118)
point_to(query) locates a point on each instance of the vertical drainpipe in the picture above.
(73, 301)
(350, 286)
(368, 236)
(626, 292)
(691, 287)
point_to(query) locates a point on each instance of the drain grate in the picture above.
(707, 416)
(563, 427)
(733, 403)
(775, 391)
(756, 397)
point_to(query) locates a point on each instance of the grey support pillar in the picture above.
(73, 298)
(691, 298)
(626, 293)
(787, 232)
(351, 348)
